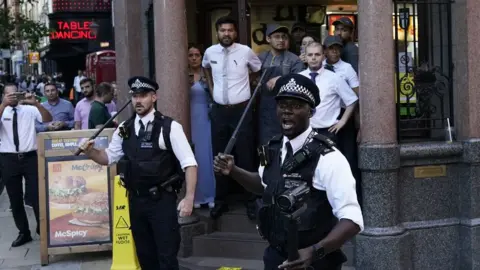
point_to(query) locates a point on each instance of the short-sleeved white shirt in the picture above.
(346, 72)
(27, 115)
(332, 175)
(180, 146)
(333, 92)
(241, 58)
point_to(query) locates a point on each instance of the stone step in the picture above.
(229, 245)
(236, 222)
(214, 263)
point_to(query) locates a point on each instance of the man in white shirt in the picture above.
(77, 87)
(150, 148)
(229, 64)
(333, 91)
(18, 153)
(302, 160)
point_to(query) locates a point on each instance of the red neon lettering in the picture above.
(74, 35)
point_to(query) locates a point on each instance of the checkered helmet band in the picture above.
(138, 85)
(293, 87)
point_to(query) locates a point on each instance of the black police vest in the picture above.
(144, 164)
(317, 220)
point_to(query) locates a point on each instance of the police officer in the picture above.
(151, 149)
(299, 157)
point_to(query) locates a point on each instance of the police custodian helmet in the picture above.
(139, 84)
(299, 87)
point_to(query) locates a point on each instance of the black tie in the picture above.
(15, 130)
(289, 154)
(330, 67)
(141, 132)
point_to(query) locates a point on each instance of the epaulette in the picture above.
(275, 139)
(326, 144)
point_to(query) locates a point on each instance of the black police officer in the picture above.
(301, 158)
(151, 149)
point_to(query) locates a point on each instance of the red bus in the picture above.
(101, 66)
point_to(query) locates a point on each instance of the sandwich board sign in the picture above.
(75, 195)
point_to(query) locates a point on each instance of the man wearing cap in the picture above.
(347, 134)
(344, 28)
(150, 148)
(333, 215)
(279, 61)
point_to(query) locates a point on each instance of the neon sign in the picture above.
(73, 30)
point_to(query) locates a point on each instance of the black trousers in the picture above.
(347, 144)
(15, 168)
(272, 258)
(224, 122)
(155, 230)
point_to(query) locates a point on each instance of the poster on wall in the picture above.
(78, 201)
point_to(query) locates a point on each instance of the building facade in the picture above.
(419, 105)
(78, 28)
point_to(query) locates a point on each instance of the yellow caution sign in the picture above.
(124, 253)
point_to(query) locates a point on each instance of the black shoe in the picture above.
(21, 240)
(38, 230)
(218, 210)
(251, 211)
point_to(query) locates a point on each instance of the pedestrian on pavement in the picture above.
(150, 149)
(300, 158)
(18, 153)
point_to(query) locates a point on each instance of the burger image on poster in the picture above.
(92, 209)
(65, 191)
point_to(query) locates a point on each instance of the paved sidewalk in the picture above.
(27, 257)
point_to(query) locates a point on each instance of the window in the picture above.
(423, 73)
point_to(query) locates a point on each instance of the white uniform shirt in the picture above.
(346, 72)
(333, 91)
(76, 83)
(240, 59)
(180, 146)
(27, 115)
(333, 175)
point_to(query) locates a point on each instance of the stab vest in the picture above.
(144, 164)
(317, 220)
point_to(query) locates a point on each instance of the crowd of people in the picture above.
(222, 81)
(301, 96)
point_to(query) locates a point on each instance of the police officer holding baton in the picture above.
(302, 175)
(152, 152)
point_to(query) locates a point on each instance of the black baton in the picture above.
(233, 139)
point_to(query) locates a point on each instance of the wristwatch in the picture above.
(318, 251)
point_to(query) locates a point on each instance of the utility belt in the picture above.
(154, 192)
